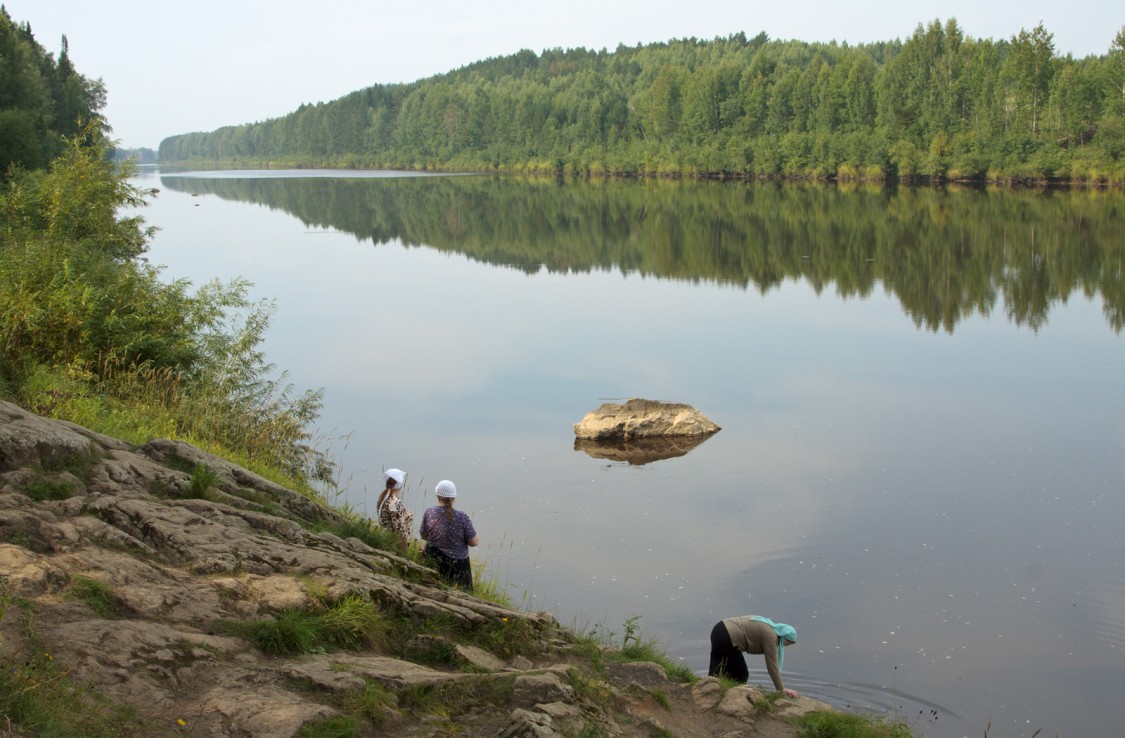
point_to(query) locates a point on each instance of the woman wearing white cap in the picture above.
(448, 533)
(393, 514)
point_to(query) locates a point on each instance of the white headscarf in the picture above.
(396, 474)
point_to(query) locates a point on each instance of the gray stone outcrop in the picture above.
(76, 506)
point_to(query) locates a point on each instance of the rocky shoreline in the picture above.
(80, 507)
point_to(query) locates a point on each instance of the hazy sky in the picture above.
(173, 67)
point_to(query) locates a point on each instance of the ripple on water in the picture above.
(875, 700)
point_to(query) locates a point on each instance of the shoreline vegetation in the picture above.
(940, 106)
(193, 165)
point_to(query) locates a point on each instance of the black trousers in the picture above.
(455, 571)
(726, 660)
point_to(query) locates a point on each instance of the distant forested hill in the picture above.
(939, 105)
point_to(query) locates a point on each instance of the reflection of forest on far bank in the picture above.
(945, 253)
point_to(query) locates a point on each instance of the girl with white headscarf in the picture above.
(393, 514)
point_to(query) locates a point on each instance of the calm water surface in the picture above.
(922, 459)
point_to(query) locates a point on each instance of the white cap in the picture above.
(445, 488)
(396, 474)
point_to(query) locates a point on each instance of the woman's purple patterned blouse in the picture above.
(451, 537)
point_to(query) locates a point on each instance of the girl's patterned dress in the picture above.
(395, 517)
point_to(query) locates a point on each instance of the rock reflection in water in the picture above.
(641, 450)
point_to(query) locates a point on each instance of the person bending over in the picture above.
(732, 637)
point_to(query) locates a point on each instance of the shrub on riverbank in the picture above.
(90, 333)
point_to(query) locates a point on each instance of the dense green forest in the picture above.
(43, 99)
(89, 332)
(938, 105)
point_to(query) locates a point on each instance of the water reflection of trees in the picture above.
(945, 254)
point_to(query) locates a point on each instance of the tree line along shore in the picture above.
(939, 106)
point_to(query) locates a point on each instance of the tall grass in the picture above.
(487, 584)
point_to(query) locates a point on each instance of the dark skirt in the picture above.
(455, 571)
(726, 660)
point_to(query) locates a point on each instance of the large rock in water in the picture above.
(639, 418)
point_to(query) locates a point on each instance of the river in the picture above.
(922, 457)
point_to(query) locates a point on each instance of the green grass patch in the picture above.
(316, 588)
(727, 683)
(647, 650)
(505, 636)
(633, 646)
(80, 465)
(766, 702)
(40, 698)
(47, 488)
(661, 698)
(487, 584)
(287, 634)
(355, 525)
(589, 687)
(488, 588)
(374, 704)
(832, 724)
(261, 499)
(420, 699)
(354, 623)
(17, 538)
(202, 484)
(138, 404)
(340, 726)
(96, 595)
(456, 697)
(364, 529)
(435, 651)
